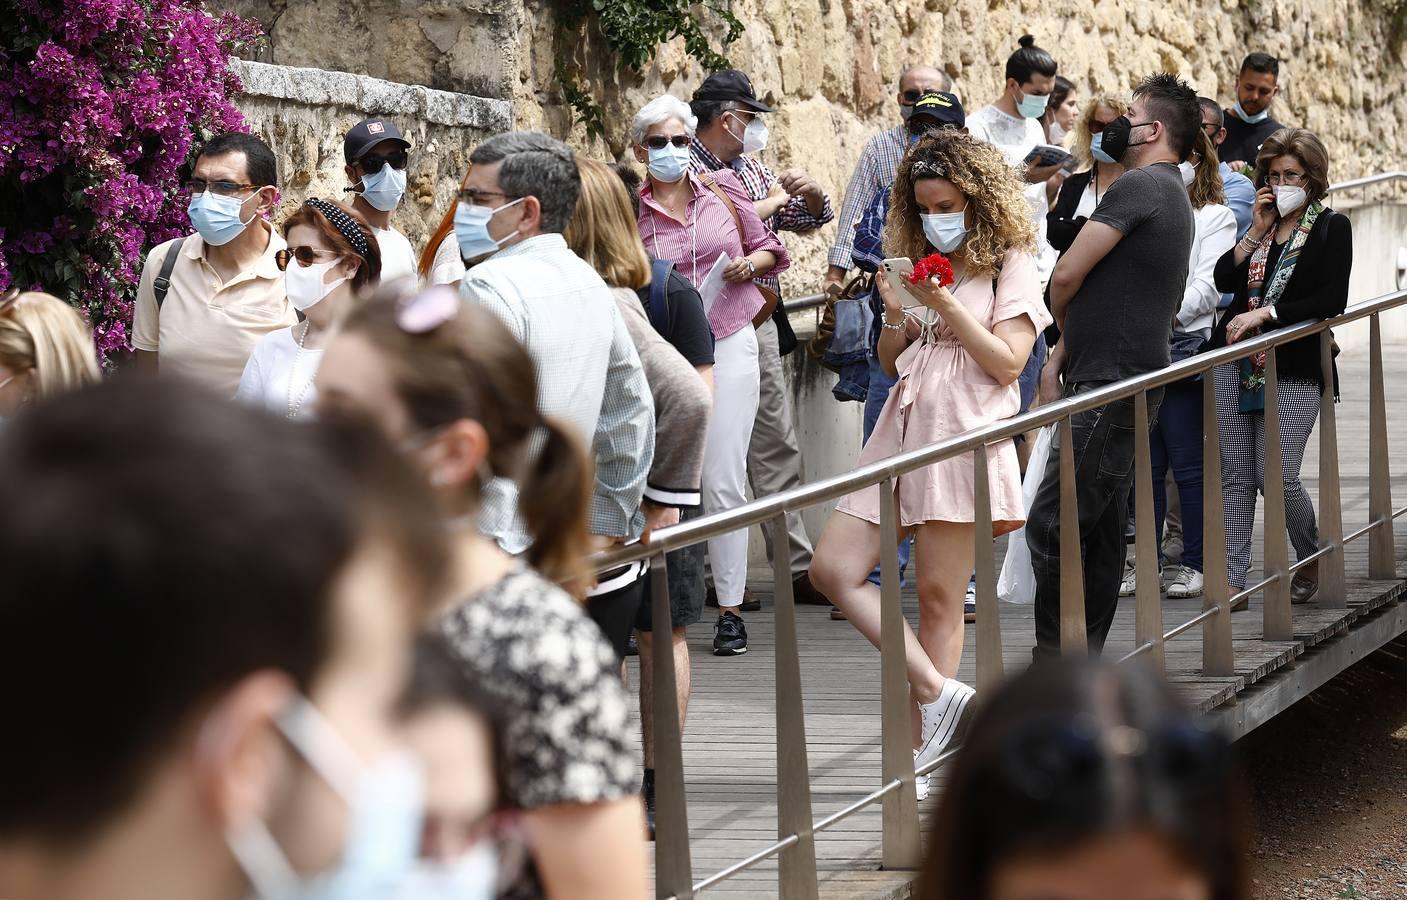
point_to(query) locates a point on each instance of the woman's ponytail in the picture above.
(554, 496)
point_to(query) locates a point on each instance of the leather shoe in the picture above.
(804, 593)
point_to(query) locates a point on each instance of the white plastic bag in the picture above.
(1017, 583)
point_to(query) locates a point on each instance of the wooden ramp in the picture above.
(729, 741)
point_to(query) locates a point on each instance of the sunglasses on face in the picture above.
(306, 256)
(1097, 127)
(372, 162)
(659, 141)
(218, 188)
(911, 96)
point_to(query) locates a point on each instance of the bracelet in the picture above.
(892, 326)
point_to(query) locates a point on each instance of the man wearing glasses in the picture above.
(206, 299)
(875, 171)
(378, 157)
(1240, 193)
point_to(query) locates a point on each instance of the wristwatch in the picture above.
(1274, 317)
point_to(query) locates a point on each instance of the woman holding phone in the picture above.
(957, 355)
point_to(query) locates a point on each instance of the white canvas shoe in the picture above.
(943, 721)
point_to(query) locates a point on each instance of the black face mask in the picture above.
(1116, 137)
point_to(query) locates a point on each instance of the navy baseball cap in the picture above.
(367, 134)
(730, 84)
(943, 108)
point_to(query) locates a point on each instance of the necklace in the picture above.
(294, 407)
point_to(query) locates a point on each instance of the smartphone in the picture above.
(895, 271)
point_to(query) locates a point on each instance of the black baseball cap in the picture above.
(943, 108)
(730, 84)
(367, 134)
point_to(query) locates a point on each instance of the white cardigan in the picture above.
(1215, 234)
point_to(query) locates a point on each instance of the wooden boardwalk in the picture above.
(729, 742)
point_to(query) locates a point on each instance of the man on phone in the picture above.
(1248, 121)
(1114, 294)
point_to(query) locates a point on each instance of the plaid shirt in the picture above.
(876, 171)
(757, 182)
(589, 375)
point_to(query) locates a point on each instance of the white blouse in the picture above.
(279, 376)
(1215, 234)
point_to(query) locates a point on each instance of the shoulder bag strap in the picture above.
(161, 284)
(659, 286)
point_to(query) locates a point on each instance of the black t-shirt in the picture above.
(1119, 322)
(1243, 140)
(687, 325)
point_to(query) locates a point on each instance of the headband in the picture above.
(344, 225)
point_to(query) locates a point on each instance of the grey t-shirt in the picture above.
(1119, 322)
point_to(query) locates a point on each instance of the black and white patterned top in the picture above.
(537, 654)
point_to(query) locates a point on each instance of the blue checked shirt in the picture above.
(588, 375)
(876, 171)
(757, 181)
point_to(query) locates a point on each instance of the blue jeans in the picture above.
(875, 398)
(1176, 441)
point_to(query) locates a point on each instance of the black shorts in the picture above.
(686, 584)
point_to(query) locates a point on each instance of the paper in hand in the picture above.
(711, 288)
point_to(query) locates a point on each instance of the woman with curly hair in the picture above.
(957, 354)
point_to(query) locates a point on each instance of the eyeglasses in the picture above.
(1211, 128)
(659, 141)
(422, 313)
(478, 198)
(306, 256)
(218, 188)
(1292, 179)
(911, 96)
(1096, 127)
(372, 162)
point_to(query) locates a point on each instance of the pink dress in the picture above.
(943, 392)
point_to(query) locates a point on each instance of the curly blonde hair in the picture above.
(1001, 217)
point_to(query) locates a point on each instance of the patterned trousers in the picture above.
(1243, 467)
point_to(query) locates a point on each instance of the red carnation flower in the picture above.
(935, 266)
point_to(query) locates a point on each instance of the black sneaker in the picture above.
(729, 636)
(749, 604)
(647, 792)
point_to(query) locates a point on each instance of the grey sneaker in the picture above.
(1129, 586)
(1184, 582)
(1303, 588)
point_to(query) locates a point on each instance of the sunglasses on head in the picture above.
(372, 162)
(659, 141)
(306, 256)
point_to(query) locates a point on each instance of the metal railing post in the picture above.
(1148, 613)
(901, 844)
(1217, 653)
(1382, 553)
(989, 623)
(796, 871)
(1333, 592)
(1074, 637)
(674, 875)
(1277, 620)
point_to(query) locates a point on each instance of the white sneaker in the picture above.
(1129, 586)
(943, 721)
(921, 787)
(1186, 582)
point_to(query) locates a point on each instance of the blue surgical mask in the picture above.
(471, 230)
(1096, 149)
(1032, 106)
(384, 189)
(945, 231)
(669, 163)
(216, 218)
(474, 876)
(385, 806)
(1251, 119)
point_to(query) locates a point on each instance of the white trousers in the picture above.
(735, 392)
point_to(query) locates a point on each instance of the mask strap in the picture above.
(269, 872)
(319, 743)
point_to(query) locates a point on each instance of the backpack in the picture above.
(161, 284)
(659, 286)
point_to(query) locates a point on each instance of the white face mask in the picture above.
(474, 876)
(1289, 198)
(754, 139)
(1189, 173)
(304, 284)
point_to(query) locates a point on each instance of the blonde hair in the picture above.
(603, 232)
(1080, 147)
(1001, 217)
(1305, 146)
(42, 333)
(1206, 185)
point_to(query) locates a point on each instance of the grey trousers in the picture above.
(773, 457)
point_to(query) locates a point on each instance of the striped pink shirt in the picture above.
(707, 232)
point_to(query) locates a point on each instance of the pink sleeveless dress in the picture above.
(942, 392)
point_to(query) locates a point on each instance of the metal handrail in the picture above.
(812, 301)
(837, 486)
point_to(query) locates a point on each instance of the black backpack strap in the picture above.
(659, 285)
(161, 284)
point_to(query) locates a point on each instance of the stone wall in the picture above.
(830, 66)
(303, 114)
